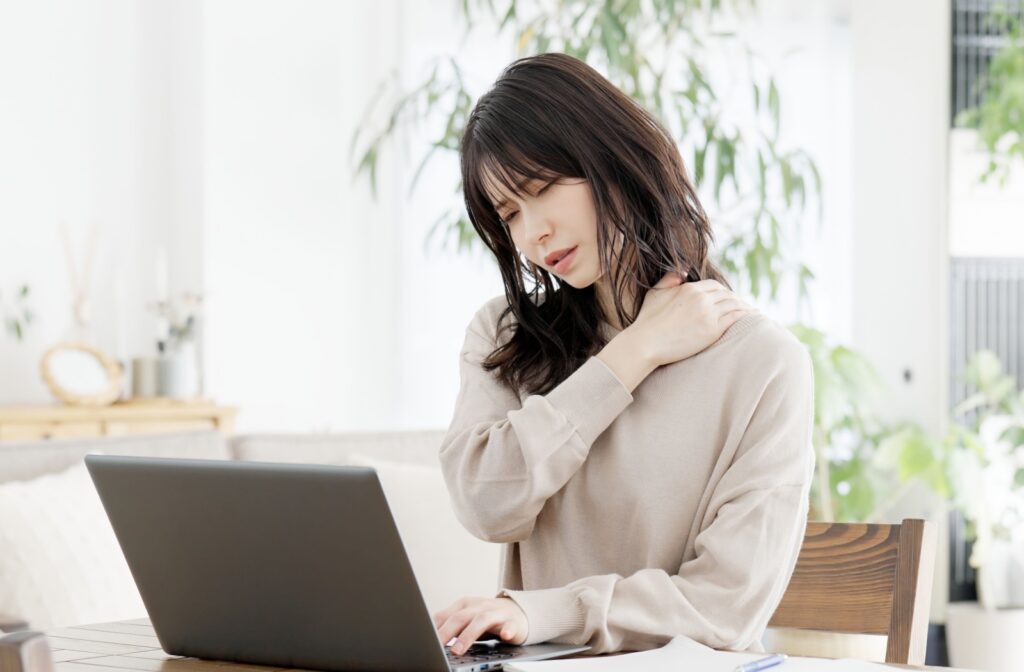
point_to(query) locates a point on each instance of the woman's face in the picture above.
(554, 225)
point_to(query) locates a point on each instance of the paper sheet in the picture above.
(683, 654)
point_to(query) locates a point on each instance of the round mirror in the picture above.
(81, 375)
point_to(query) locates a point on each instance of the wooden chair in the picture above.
(866, 579)
(25, 651)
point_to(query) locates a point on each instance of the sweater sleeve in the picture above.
(503, 459)
(744, 553)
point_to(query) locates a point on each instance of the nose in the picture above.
(537, 227)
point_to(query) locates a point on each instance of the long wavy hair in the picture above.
(553, 116)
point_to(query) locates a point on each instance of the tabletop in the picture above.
(132, 646)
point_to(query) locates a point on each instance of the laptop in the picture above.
(291, 565)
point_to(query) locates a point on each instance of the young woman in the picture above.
(641, 445)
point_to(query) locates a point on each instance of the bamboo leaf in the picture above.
(773, 106)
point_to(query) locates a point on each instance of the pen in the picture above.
(762, 664)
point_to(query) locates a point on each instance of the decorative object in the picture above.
(178, 376)
(80, 278)
(75, 370)
(17, 316)
(177, 328)
(80, 375)
(145, 377)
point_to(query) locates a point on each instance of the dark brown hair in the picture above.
(551, 116)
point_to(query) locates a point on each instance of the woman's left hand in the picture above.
(471, 617)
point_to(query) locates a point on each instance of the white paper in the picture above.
(683, 654)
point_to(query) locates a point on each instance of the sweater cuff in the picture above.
(550, 613)
(591, 398)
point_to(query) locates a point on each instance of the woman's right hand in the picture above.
(677, 320)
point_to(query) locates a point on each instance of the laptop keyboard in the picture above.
(481, 653)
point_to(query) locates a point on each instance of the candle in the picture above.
(161, 274)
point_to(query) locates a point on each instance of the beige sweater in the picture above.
(630, 518)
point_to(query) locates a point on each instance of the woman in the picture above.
(641, 445)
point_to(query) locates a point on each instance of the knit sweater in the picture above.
(629, 518)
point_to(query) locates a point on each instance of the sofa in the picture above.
(60, 564)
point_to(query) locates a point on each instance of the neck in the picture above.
(606, 302)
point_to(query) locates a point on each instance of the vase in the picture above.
(1001, 578)
(984, 639)
(179, 372)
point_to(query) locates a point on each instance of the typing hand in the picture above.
(469, 618)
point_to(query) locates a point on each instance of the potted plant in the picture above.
(986, 472)
(177, 327)
(979, 467)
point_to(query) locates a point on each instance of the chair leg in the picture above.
(25, 651)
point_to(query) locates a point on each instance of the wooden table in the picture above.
(140, 416)
(131, 646)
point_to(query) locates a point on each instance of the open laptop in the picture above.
(291, 565)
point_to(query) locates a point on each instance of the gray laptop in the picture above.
(291, 565)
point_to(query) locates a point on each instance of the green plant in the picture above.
(999, 119)
(979, 464)
(850, 442)
(658, 53)
(17, 315)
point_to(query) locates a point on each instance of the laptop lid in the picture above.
(291, 565)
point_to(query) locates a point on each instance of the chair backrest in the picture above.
(867, 579)
(25, 651)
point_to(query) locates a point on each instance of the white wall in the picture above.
(89, 133)
(325, 312)
(901, 57)
(300, 268)
(901, 91)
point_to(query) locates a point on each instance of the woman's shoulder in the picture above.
(757, 342)
(494, 316)
(490, 318)
(492, 309)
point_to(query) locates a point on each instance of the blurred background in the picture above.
(248, 215)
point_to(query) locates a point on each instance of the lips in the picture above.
(557, 255)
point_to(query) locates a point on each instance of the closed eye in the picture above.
(507, 219)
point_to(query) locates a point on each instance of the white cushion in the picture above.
(20, 461)
(60, 563)
(448, 561)
(406, 447)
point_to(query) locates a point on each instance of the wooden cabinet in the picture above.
(28, 423)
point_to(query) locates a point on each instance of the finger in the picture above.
(442, 616)
(728, 305)
(453, 626)
(480, 624)
(720, 293)
(707, 285)
(668, 280)
(732, 317)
